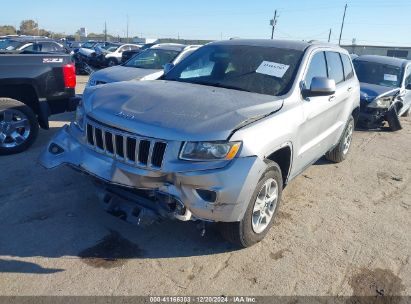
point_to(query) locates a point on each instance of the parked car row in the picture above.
(215, 133)
(147, 65)
(32, 44)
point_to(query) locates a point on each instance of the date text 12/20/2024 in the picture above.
(200, 299)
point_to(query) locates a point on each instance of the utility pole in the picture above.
(273, 23)
(329, 36)
(105, 30)
(342, 25)
(127, 29)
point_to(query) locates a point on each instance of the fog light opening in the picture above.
(55, 149)
(207, 195)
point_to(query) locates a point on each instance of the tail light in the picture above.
(69, 74)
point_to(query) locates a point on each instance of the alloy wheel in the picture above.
(265, 205)
(14, 128)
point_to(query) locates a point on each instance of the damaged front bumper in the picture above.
(219, 194)
(371, 118)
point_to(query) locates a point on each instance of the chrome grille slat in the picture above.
(103, 134)
(94, 136)
(113, 138)
(125, 146)
(137, 150)
(150, 153)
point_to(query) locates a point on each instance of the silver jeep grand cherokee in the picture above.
(219, 137)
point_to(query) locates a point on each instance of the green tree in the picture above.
(29, 27)
(7, 30)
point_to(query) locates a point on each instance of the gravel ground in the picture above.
(343, 229)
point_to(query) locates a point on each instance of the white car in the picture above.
(114, 53)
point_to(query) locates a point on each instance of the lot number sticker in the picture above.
(389, 77)
(272, 69)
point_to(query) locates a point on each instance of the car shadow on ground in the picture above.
(56, 213)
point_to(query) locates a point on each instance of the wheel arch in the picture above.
(27, 94)
(283, 157)
(356, 114)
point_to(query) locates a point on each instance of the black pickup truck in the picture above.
(32, 87)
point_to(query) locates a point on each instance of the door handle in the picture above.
(349, 89)
(332, 98)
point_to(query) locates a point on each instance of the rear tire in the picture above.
(340, 152)
(247, 232)
(19, 126)
(393, 119)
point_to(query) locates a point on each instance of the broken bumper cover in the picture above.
(372, 117)
(233, 185)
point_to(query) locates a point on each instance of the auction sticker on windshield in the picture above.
(272, 69)
(389, 77)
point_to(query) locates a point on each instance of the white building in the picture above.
(83, 32)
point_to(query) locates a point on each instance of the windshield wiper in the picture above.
(211, 84)
(227, 86)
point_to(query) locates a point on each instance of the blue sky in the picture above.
(377, 22)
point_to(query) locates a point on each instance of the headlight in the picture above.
(79, 117)
(381, 103)
(209, 151)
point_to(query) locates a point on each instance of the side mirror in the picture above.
(168, 67)
(320, 86)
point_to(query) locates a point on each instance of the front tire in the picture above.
(18, 126)
(340, 152)
(261, 210)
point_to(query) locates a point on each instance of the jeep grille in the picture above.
(128, 148)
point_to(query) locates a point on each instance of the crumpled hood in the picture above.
(121, 73)
(369, 92)
(176, 111)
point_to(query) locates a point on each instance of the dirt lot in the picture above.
(342, 229)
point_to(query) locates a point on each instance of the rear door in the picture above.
(340, 68)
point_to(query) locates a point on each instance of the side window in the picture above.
(348, 70)
(203, 68)
(317, 68)
(335, 68)
(49, 47)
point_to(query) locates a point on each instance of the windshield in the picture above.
(377, 73)
(88, 45)
(264, 70)
(152, 59)
(112, 49)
